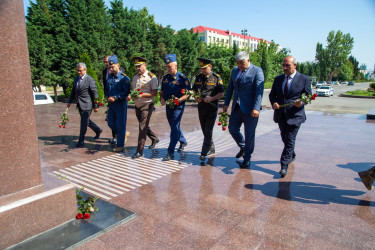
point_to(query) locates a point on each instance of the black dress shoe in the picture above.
(245, 164)
(293, 159)
(182, 147)
(168, 157)
(80, 144)
(153, 144)
(283, 172)
(113, 141)
(202, 158)
(137, 155)
(98, 134)
(211, 152)
(240, 154)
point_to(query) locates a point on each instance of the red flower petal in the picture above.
(63, 126)
(139, 89)
(313, 98)
(101, 104)
(86, 216)
(141, 93)
(96, 102)
(60, 125)
(219, 123)
(79, 216)
(224, 128)
(182, 91)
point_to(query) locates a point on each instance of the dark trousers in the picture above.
(250, 123)
(85, 121)
(174, 119)
(143, 114)
(207, 118)
(288, 136)
(116, 119)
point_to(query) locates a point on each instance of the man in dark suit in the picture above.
(246, 85)
(288, 89)
(85, 91)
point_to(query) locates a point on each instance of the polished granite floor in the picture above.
(320, 204)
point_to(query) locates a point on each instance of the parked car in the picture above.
(319, 84)
(325, 90)
(335, 83)
(313, 84)
(351, 83)
(345, 82)
(42, 98)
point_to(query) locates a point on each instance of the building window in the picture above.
(209, 38)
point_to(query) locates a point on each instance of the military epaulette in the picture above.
(216, 74)
(123, 74)
(183, 76)
(150, 74)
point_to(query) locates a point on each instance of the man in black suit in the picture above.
(85, 91)
(288, 89)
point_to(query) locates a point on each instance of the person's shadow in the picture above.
(307, 192)
(357, 167)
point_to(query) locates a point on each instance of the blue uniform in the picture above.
(119, 87)
(172, 85)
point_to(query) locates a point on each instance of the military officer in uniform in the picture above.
(210, 87)
(117, 90)
(144, 105)
(172, 85)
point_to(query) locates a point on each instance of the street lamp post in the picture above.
(244, 33)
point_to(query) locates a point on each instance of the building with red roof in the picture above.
(227, 38)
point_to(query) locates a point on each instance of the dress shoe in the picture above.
(202, 158)
(98, 134)
(283, 172)
(293, 159)
(80, 144)
(119, 149)
(168, 157)
(182, 147)
(368, 177)
(137, 155)
(240, 154)
(245, 164)
(113, 141)
(153, 144)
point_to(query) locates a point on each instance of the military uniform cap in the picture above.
(170, 58)
(204, 62)
(138, 60)
(112, 60)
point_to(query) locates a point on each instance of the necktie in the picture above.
(286, 86)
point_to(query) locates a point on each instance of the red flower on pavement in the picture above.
(86, 216)
(63, 126)
(224, 128)
(79, 216)
(219, 123)
(60, 126)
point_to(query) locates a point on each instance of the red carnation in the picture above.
(64, 126)
(219, 123)
(60, 125)
(176, 102)
(101, 104)
(315, 95)
(141, 93)
(224, 128)
(96, 102)
(313, 98)
(182, 91)
(86, 216)
(139, 89)
(79, 216)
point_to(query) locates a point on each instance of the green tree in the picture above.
(336, 52)
(345, 72)
(355, 64)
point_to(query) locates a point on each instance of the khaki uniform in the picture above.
(144, 106)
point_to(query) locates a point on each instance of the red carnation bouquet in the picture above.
(223, 120)
(85, 206)
(306, 99)
(135, 93)
(173, 102)
(103, 103)
(64, 119)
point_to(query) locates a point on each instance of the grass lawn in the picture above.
(360, 92)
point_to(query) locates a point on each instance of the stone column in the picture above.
(26, 208)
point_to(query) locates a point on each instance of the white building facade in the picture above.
(227, 38)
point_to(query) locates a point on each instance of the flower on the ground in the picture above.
(224, 128)
(86, 206)
(219, 123)
(79, 216)
(86, 216)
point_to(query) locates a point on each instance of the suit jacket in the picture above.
(249, 91)
(86, 93)
(293, 115)
(104, 74)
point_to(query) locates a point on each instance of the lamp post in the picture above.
(244, 33)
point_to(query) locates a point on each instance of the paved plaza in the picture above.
(189, 204)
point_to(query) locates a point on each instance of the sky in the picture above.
(294, 24)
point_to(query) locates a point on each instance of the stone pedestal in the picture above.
(24, 203)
